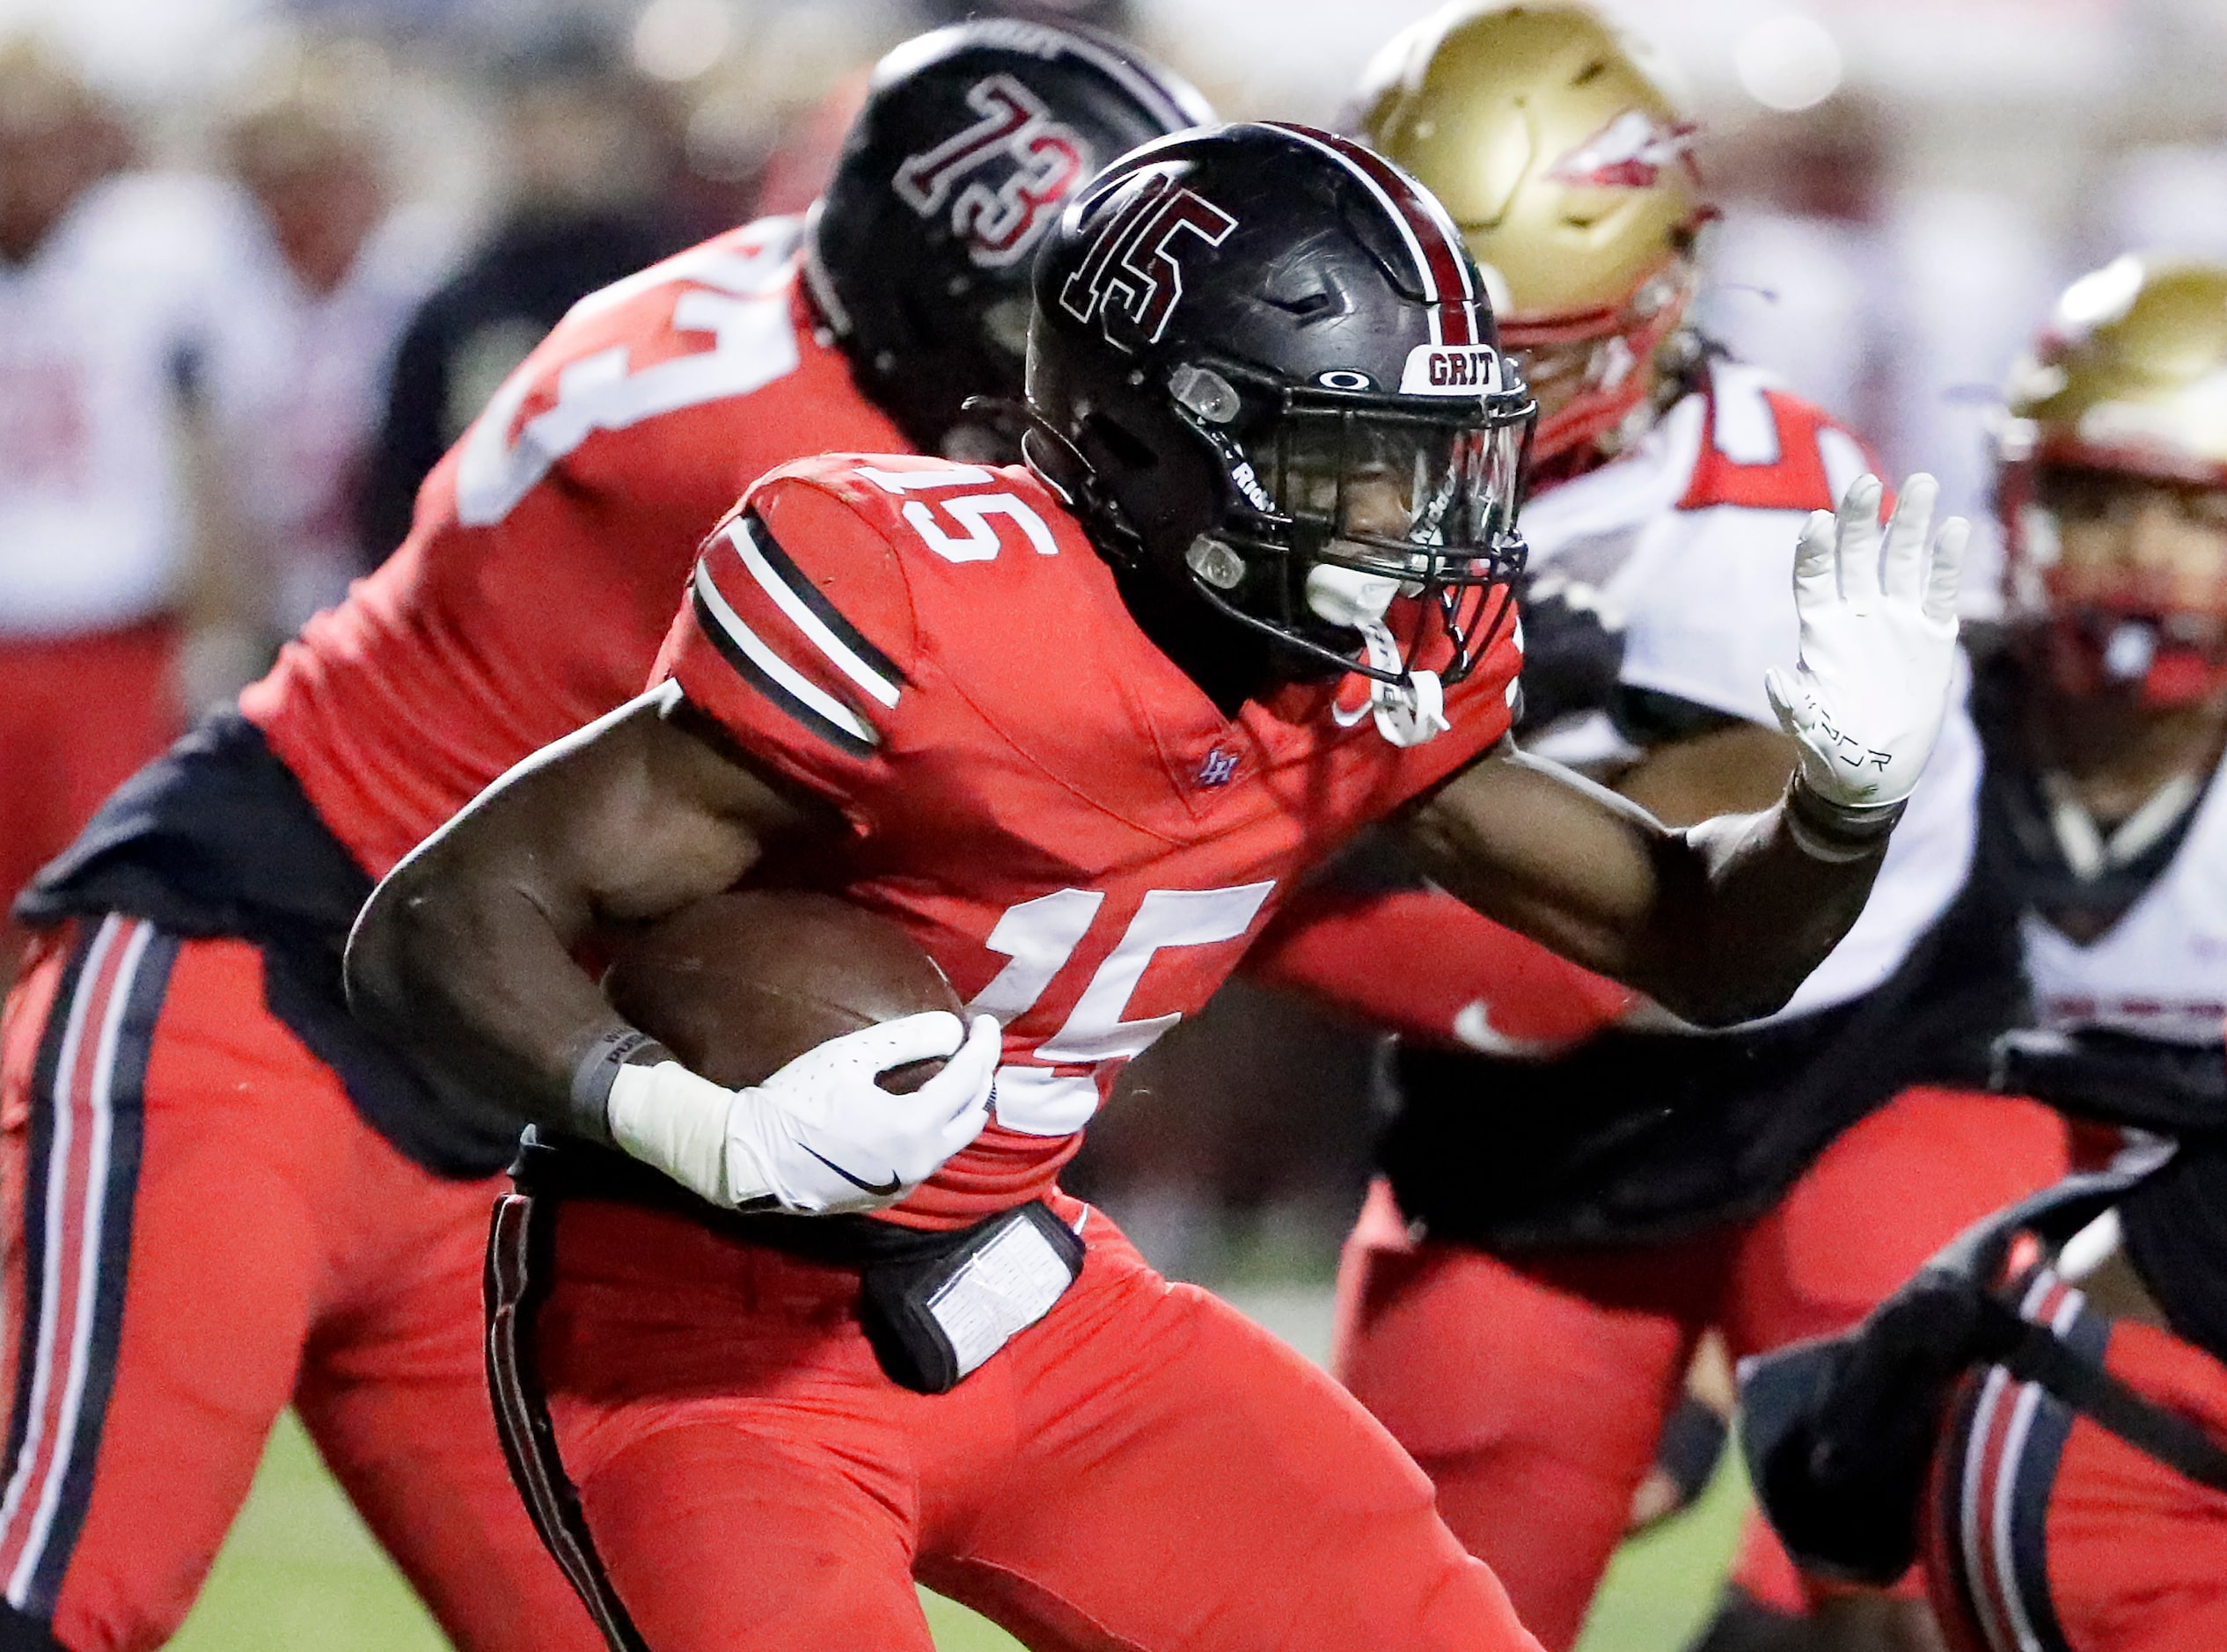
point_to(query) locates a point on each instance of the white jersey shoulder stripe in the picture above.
(786, 677)
(742, 534)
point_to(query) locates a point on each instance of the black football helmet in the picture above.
(970, 141)
(1263, 367)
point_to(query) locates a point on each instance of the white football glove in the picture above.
(1878, 644)
(820, 1137)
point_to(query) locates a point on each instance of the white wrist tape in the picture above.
(676, 1120)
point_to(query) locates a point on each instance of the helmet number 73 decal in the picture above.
(1132, 279)
(998, 224)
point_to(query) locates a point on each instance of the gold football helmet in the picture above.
(2112, 480)
(307, 107)
(57, 136)
(38, 91)
(1551, 139)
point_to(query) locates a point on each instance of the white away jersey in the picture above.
(300, 409)
(2161, 971)
(128, 292)
(1688, 545)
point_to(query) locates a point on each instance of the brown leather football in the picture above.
(740, 984)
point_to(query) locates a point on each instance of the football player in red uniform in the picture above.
(224, 1195)
(2079, 1501)
(1076, 726)
(1576, 1188)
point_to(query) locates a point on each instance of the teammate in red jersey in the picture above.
(227, 1196)
(1576, 1189)
(1076, 726)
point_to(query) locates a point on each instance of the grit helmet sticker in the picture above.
(1452, 369)
(1132, 279)
(998, 223)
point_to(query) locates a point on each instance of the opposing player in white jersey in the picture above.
(335, 275)
(113, 293)
(1577, 1186)
(2078, 1489)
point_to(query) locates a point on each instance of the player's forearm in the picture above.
(473, 976)
(464, 955)
(1748, 914)
(1719, 924)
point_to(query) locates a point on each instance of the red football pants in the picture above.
(199, 1229)
(1141, 1470)
(77, 715)
(1532, 1389)
(2048, 1534)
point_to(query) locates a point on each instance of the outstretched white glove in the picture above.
(820, 1137)
(1878, 644)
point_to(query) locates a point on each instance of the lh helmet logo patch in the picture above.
(1131, 278)
(999, 221)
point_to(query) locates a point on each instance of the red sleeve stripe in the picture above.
(1432, 239)
(819, 620)
(757, 663)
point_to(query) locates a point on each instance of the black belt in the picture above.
(935, 1305)
(569, 1169)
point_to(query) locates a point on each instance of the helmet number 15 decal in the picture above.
(1040, 937)
(998, 223)
(1132, 279)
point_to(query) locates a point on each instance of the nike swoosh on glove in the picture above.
(1878, 613)
(820, 1137)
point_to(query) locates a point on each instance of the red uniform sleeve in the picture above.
(1420, 963)
(797, 638)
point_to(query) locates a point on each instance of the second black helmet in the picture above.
(970, 141)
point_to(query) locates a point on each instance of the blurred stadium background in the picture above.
(1904, 182)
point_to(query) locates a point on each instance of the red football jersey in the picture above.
(553, 541)
(1052, 809)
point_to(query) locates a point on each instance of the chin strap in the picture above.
(1409, 711)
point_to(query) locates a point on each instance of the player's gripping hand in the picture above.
(821, 1135)
(1877, 610)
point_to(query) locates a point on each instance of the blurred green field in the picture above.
(300, 1572)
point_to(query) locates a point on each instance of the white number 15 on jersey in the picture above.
(1039, 937)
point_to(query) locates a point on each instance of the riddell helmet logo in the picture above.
(1631, 152)
(1131, 278)
(998, 222)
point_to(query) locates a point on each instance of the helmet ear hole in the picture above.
(918, 320)
(1127, 449)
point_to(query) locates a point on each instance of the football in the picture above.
(740, 984)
